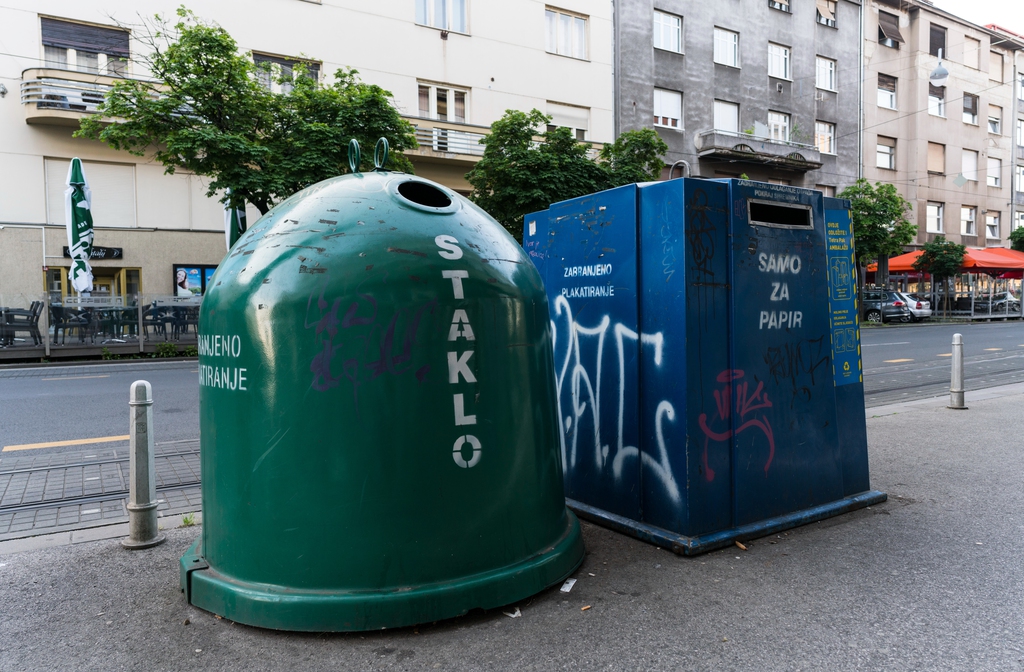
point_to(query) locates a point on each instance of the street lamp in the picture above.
(939, 75)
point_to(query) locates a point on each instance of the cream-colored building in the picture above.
(453, 66)
(950, 150)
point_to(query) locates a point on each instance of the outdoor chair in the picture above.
(25, 321)
(155, 318)
(183, 318)
(64, 320)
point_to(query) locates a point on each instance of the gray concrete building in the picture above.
(951, 149)
(769, 89)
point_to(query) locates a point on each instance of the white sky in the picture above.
(1007, 13)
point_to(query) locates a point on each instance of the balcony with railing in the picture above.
(62, 97)
(453, 141)
(749, 148)
(447, 140)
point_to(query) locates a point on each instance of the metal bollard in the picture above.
(956, 386)
(143, 530)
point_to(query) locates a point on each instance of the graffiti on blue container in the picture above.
(801, 364)
(735, 405)
(579, 378)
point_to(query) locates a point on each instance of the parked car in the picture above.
(884, 306)
(920, 307)
(1000, 303)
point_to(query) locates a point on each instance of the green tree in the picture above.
(207, 113)
(518, 175)
(880, 225)
(1017, 239)
(941, 259)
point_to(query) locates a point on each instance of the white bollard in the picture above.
(956, 386)
(143, 530)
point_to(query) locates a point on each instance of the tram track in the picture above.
(47, 492)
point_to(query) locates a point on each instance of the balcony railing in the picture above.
(459, 142)
(448, 138)
(732, 146)
(52, 96)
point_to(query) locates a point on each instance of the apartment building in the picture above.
(1015, 125)
(951, 148)
(454, 67)
(768, 89)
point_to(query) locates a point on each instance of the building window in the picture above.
(827, 190)
(668, 32)
(885, 153)
(115, 181)
(1020, 133)
(969, 165)
(443, 14)
(825, 73)
(76, 46)
(781, 5)
(933, 217)
(668, 109)
(972, 53)
(936, 158)
(889, 30)
(727, 116)
(992, 225)
(440, 101)
(1019, 219)
(937, 40)
(995, 66)
(968, 217)
(576, 119)
(825, 137)
(566, 34)
(937, 100)
(826, 12)
(886, 91)
(727, 47)
(778, 61)
(970, 109)
(778, 126)
(995, 119)
(995, 172)
(277, 74)
(1019, 179)
(1020, 86)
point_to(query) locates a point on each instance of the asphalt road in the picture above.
(907, 362)
(69, 403)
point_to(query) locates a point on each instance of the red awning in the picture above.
(985, 260)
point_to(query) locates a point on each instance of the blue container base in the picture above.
(684, 545)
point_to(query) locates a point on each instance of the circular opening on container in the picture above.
(425, 194)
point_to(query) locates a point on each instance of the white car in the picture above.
(921, 308)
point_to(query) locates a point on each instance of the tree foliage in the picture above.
(880, 225)
(519, 175)
(1017, 239)
(207, 113)
(942, 259)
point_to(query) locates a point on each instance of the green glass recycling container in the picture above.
(378, 427)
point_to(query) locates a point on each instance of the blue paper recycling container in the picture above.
(707, 358)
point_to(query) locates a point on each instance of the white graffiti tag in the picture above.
(584, 390)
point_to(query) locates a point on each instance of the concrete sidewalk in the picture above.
(930, 580)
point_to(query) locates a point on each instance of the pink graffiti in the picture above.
(741, 405)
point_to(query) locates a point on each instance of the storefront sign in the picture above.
(100, 252)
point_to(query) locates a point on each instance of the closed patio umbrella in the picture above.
(234, 222)
(78, 215)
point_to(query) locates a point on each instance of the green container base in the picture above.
(281, 608)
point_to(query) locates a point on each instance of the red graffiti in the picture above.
(741, 404)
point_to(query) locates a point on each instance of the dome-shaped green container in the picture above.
(377, 416)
